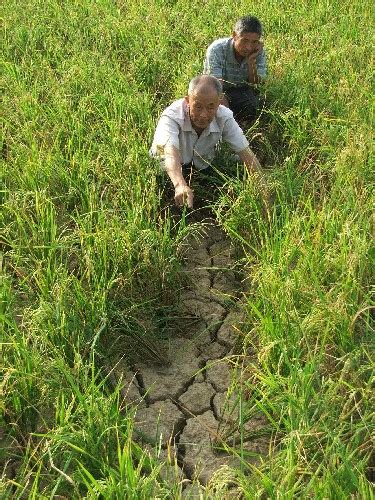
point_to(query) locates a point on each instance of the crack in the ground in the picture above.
(213, 409)
(180, 449)
(141, 386)
(202, 367)
(214, 327)
(189, 414)
(212, 274)
(188, 384)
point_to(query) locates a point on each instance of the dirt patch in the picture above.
(189, 400)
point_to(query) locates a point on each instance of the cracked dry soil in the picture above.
(187, 408)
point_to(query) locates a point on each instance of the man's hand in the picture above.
(252, 57)
(251, 62)
(183, 195)
(251, 161)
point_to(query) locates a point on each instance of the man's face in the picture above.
(202, 107)
(246, 44)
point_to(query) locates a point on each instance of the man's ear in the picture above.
(186, 99)
(234, 34)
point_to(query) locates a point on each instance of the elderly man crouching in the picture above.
(190, 128)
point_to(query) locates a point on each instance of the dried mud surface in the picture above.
(188, 408)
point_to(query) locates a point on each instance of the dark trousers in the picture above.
(245, 102)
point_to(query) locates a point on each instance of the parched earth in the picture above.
(188, 408)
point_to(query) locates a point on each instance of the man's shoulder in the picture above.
(219, 44)
(223, 113)
(176, 110)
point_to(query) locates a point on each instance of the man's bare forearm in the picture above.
(256, 173)
(253, 72)
(250, 160)
(173, 166)
(183, 194)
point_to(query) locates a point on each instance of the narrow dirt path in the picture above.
(190, 405)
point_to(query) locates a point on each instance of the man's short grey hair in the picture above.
(248, 24)
(202, 82)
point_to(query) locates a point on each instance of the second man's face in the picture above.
(203, 107)
(246, 44)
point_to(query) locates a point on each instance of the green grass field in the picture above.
(89, 257)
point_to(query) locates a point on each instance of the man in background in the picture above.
(239, 62)
(189, 130)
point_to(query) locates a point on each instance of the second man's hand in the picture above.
(252, 57)
(251, 61)
(183, 195)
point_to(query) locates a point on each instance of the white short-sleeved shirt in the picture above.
(175, 129)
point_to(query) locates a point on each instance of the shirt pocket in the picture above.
(206, 148)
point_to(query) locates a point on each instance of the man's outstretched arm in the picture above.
(255, 170)
(182, 194)
(250, 160)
